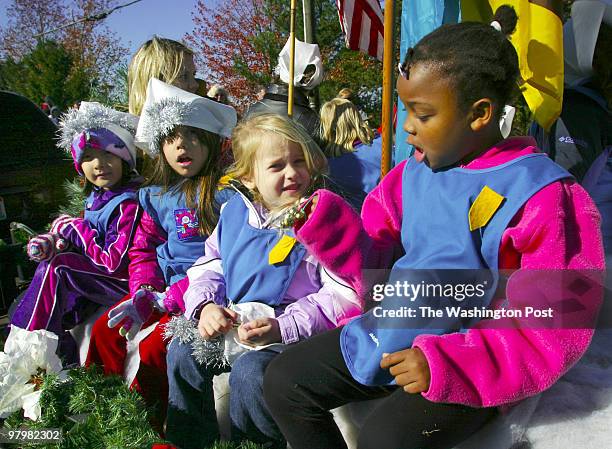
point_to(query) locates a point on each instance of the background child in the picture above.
(353, 149)
(277, 161)
(183, 133)
(94, 270)
(455, 83)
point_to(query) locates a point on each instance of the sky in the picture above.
(137, 23)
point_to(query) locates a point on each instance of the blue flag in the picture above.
(419, 17)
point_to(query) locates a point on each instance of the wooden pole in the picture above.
(388, 88)
(291, 58)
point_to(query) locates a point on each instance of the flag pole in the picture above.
(387, 90)
(291, 58)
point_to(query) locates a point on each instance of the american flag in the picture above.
(362, 24)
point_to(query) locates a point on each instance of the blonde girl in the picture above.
(165, 59)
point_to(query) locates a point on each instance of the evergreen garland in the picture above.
(76, 198)
(93, 410)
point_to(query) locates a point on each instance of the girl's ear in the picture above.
(482, 114)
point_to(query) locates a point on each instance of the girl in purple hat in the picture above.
(83, 261)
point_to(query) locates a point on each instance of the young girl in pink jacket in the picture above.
(467, 205)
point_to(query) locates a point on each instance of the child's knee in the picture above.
(183, 367)
(248, 372)
(178, 354)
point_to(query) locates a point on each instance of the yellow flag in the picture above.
(538, 40)
(484, 207)
(281, 250)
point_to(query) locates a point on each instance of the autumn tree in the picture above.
(230, 40)
(94, 50)
(237, 43)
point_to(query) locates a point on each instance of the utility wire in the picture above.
(93, 18)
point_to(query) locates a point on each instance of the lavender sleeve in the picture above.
(329, 304)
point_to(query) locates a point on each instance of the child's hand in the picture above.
(263, 331)
(42, 247)
(216, 320)
(61, 222)
(410, 369)
(136, 311)
(310, 208)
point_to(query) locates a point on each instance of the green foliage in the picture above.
(47, 70)
(93, 410)
(113, 95)
(75, 196)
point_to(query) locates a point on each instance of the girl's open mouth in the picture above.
(184, 161)
(418, 154)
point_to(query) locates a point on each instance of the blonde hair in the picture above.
(157, 58)
(248, 136)
(341, 125)
(345, 93)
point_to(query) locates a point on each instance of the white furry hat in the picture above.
(168, 106)
(305, 54)
(86, 127)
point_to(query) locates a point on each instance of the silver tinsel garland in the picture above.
(94, 116)
(160, 119)
(206, 352)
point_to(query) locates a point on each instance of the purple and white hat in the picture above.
(96, 126)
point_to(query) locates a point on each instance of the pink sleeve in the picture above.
(557, 229)
(346, 244)
(144, 269)
(112, 253)
(174, 302)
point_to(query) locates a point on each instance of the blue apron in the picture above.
(358, 172)
(441, 250)
(184, 244)
(98, 219)
(244, 253)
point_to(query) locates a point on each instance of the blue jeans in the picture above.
(192, 421)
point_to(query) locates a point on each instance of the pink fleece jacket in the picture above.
(558, 228)
(144, 269)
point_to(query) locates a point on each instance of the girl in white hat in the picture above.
(183, 133)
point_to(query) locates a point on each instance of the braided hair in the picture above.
(477, 59)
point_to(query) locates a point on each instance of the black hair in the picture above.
(199, 190)
(476, 58)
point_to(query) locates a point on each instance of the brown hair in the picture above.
(201, 188)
